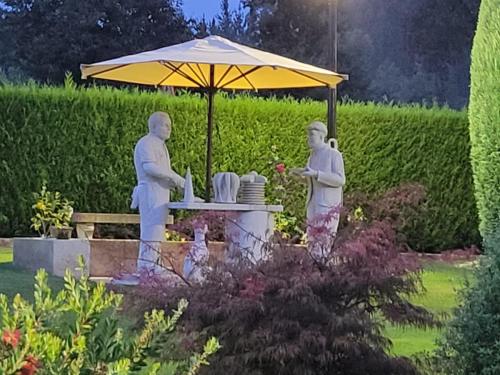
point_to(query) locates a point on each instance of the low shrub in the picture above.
(470, 344)
(78, 332)
(402, 206)
(293, 314)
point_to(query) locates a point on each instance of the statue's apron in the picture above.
(152, 199)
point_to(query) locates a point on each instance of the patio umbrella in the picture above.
(212, 63)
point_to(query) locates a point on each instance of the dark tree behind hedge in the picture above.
(401, 50)
(46, 38)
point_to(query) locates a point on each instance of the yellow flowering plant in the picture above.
(50, 210)
(172, 235)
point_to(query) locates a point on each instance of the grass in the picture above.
(5, 255)
(440, 280)
(13, 280)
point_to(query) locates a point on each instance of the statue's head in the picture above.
(160, 125)
(316, 134)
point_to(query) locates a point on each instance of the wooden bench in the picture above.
(85, 222)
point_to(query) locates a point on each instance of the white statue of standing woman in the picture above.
(155, 179)
(325, 178)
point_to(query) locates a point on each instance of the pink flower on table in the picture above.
(280, 168)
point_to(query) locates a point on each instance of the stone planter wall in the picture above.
(112, 257)
(103, 257)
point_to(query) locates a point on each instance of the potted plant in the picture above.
(60, 227)
(52, 214)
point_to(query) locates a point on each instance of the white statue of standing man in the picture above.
(155, 179)
(325, 178)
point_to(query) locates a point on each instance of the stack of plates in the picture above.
(252, 193)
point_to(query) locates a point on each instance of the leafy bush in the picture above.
(78, 332)
(484, 117)
(50, 209)
(401, 205)
(283, 189)
(81, 141)
(470, 345)
(295, 315)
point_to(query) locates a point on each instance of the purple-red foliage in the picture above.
(215, 220)
(294, 315)
(399, 206)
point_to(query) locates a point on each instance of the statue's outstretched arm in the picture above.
(154, 170)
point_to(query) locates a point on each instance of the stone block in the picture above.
(52, 254)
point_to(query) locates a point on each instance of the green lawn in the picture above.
(441, 282)
(13, 281)
(5, 255)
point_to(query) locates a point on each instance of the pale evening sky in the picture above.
(199, 8)
(207, 8)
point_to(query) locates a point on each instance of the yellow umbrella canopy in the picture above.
(212, 63)
(234, 67)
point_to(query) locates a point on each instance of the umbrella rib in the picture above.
(108, 70)
(246, 79)
(203, 75)
(169, 75)
(202, 78)
(243, 75)
(224, 75)
(308, 76)
(181, 73)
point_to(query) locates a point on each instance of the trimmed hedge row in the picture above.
(484, 117)
(81, 141)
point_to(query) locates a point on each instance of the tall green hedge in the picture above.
(81, 141)
(484, 116)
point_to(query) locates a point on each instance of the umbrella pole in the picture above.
(208, 176)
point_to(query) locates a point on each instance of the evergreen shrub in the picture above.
(471, 344)
(81, 142)
(484, 117)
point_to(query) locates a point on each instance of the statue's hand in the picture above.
(180, 182)
(310, 173)
(297, 171)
